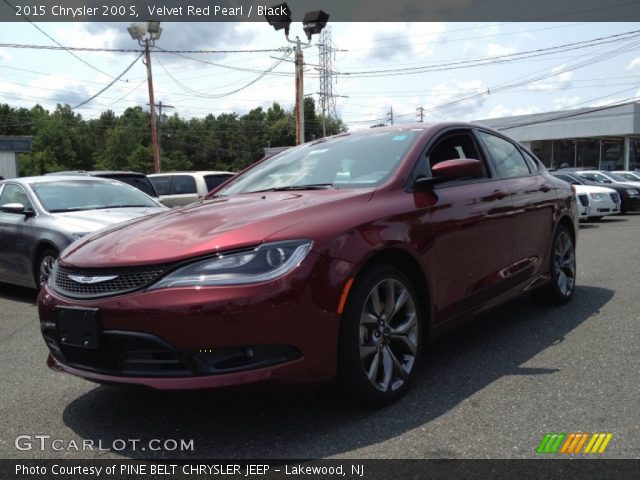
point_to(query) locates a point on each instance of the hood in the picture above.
(91, 220)
(202, 228)
(593, 189)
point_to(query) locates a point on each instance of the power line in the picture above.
(61, 47)
(109, 85)
(494, 59)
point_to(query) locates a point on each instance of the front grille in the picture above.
(615, 197)
(126, 279)
(123, 353)
(584, 199)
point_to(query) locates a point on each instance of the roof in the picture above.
(57, 178)
(97, 173)
(15, 144)
(198, 172)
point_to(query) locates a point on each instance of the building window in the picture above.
(634, 153)
(612, 154)
(588, 154)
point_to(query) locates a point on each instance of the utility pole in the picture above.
(160, 106)
(139, 32)
(313, 23)
(420, 113)
(299, 113)
(390, 116)
(152, 108)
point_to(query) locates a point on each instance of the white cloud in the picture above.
(634, 65)
(496, 50)
(449, 100)
(560, 81)
(503, 111)
(564, 103)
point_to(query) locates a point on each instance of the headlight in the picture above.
(633, 192)
(598, 196)
(266, 262)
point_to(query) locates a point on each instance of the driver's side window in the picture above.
(14, 194)
(452, 147)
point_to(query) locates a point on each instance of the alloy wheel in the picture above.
(46, 266)
(388, 335)
(565, 263)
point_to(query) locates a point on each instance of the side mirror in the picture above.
(451, 170)
(17, 208)
(607, 181)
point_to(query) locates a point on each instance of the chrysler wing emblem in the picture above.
(91, 280)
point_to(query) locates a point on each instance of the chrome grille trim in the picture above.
(127, 279)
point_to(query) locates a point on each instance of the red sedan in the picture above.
(335, 259)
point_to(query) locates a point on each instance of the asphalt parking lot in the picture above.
(489, 390)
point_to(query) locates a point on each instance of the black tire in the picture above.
(42, 268)
(562, 265)
(368, 338)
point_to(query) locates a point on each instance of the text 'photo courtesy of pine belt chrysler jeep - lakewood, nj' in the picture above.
(337, 260)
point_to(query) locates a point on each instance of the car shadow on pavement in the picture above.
(18, 294)
(262, 423)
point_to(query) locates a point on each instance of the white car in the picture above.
(176, 189)
(628, 175)
(596, 202)
(605, 177)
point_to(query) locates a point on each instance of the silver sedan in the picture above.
(40, 216)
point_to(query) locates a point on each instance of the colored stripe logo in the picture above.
(573, 443)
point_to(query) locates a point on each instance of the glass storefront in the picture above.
(588, 153)
(634, 153)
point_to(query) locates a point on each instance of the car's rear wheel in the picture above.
(44, 266)
(380, 337)
(563, 269)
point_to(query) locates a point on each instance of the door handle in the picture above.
(544, 188)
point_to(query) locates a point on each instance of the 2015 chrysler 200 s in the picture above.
(334, 259)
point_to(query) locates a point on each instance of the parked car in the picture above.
(605, 177)
(593, 201)
(135, 179)
(182, 188)
(628, 175)
(329, 260)
(40, 216)
(629, 195)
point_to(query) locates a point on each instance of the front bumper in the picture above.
(285, 330)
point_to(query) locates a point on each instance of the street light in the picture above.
(279, 17)
(138, 32)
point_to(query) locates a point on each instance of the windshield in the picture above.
(629, 176)
(615, 177)
(349, 161)
(76, 195)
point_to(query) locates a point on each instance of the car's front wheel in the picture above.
(563, 269)
(381, 336)
(44, 266)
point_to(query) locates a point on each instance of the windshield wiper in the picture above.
(65, 210)
(120, 206)
(311, 186)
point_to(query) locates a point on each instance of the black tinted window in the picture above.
(213, 181)
(141, 183)
(162, 184)
(183, 184)
(507, 159)
(453, 147)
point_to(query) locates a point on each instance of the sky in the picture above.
(592, 76)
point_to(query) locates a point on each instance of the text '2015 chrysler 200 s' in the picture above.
(332, 260)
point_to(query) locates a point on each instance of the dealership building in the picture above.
(10, 148)
(604, 139)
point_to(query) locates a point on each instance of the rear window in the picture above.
(214, 181)
(174, 184)
(141, 183)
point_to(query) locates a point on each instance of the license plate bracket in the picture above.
(78, 327)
